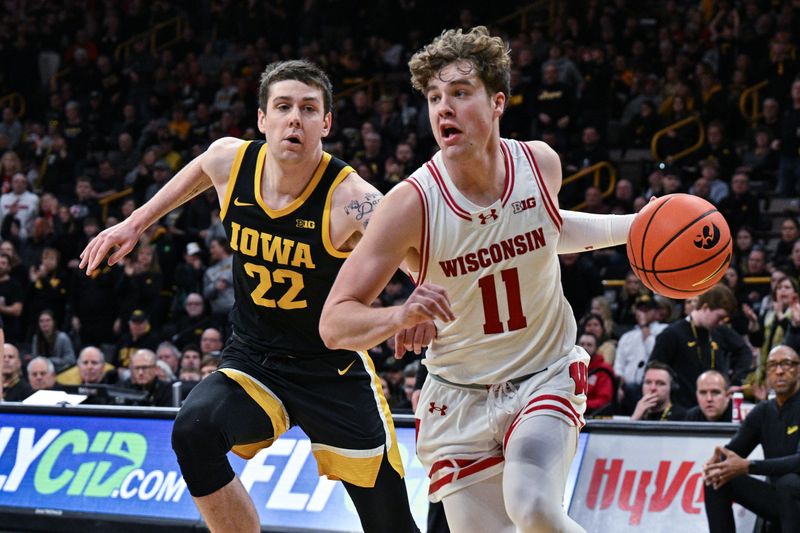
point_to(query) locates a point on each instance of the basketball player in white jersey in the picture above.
(480, 229)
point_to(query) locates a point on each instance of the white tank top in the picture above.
(501, 271)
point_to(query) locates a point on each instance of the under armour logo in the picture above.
(442, 410)
(492, 214)
(709, 238)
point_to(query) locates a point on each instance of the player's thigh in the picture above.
(219, 412)
(538, 459)
(478, 508)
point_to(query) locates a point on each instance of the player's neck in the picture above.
(479, 175)
(284, 181)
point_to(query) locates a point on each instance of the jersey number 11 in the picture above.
(491, 312)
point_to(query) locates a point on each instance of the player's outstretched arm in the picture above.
(348, 321)
(211, 167)
(581, 232)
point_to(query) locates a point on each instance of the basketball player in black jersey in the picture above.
(292, 213)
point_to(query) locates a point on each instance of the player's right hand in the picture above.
(413, 339)
(427, 302)
(121, 238)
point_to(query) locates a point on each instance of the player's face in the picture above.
(712, 396)
(463, 114)
(295, 120)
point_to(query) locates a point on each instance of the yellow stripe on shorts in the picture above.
(271, 405)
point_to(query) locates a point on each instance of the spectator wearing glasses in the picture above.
(144, 378)
(774, 425)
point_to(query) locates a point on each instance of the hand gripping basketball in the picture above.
(679, 245)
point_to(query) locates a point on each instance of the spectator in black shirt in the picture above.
(139, 335)
(189, 328)
(11, 297)
(15, 389)
(789, 169)
(774, 425)
(144, 378)
(713, 403)
(656, 403)
(699, 343)
(555, 102)
(740, 207)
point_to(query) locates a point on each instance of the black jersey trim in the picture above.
(237, 163)
(326, 215)
(297, 202)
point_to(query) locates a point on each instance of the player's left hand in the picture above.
(717, 474)
(413, 338)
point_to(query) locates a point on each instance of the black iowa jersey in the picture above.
(284, 262)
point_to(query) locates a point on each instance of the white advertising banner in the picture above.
(651, 483)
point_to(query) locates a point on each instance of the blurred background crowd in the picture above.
(103, 101)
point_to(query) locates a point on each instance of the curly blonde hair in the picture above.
(488, 55)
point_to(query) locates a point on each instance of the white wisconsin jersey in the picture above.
(501, 271)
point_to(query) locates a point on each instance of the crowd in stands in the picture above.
(596, 81)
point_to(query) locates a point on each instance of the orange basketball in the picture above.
(679, 245)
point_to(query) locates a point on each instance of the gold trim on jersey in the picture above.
(393, 450)
(237, 163)
(326, 215)
(271, 405)
(297, 202)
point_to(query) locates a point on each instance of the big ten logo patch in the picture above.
(305, 224)
(523, 205)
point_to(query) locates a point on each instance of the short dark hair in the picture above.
(719, 297)
(299, 70)
(658, 365)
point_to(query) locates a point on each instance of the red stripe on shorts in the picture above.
(467, 468)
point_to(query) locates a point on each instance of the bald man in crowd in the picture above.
(713, 402)
(41, 373)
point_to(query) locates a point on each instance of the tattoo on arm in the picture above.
(362, 208)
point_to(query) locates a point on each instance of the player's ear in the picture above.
(327, 122)
(499, 103)
(262, 121)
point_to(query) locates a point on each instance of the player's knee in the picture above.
(537, 514)
(194, 432)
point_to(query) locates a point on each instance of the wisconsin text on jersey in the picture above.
(270, 247)
(494, 253)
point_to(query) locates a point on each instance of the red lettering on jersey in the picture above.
(497, 252)
(580, 375)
